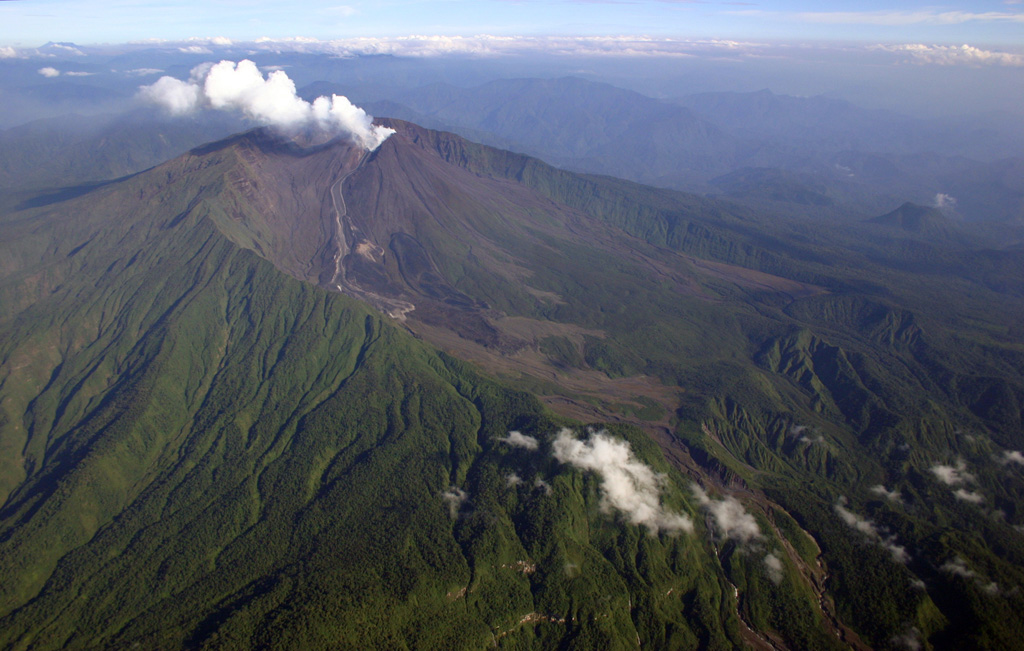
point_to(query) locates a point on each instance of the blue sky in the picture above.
(30, 23)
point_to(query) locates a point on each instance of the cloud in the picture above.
(957, 567)
(952, 475)
(903, 18)
(949, 55)
(49, 72)
(969, 496)
(143, 72)
(1012, 456)
(520, 440)
(7, 52)
(79, 74)
(731, 520)
(455, 497)
(195, 49)
(512, 479)
(540, 483)
(910, 639)
(220, 40)
(486, 45)
(773, 567)
(891, 495)
(241, 88)
(869, 529)
(944, 201)
(627, 485)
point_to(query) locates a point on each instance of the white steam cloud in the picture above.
(271, 101)
(49, 71)
(730, 519)
(952, 475)
(520, 440)
(869, 529)
(945, 201)
(627, 484)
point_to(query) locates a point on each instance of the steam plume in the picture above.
(628, 485)
(241, 88)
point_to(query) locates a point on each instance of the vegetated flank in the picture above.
(207, 445)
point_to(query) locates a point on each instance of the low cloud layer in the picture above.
(520, 440)
(627, 485)
(949, 55)
(729, 518)
(891, 495)
(455, 497)
(271, 101)
(1012, 456)
(869, 529)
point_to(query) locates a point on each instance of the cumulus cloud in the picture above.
(952, 475)
(455, 497)
(512, 479)
(730, 519)
(869, 529)
(973, 497)
(49, 72)
(773, 568)
(220, 40)
(520, 440)
(891, 495)
(627, 484)
(7, 52)
(949, 55)
(271, 101)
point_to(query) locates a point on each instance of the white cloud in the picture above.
(952, 475)
(957, 567)
(627, 485)
(730, 519)
(973, 497)
(948, 55)
(512, 479)
(773, 567)
(891, 495)
(945, 202)
(911, 639)
(241, 88)
(49, 72)
(869, 529)
(543, 485)
(143, 72)
(1012, 456)
(902, 18)
(7, 52)
(195, 49)
(220, 40)
(76, 73)
(455, 497)
(520, 440)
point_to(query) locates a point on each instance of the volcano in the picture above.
(262, 395)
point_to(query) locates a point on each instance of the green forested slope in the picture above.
(203, 452)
